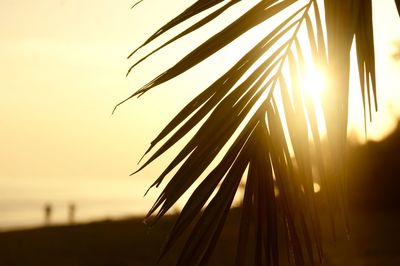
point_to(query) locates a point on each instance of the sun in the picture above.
(314, 83)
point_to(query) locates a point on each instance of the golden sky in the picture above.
(63, 65)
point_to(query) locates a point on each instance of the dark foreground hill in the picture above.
(374, 241)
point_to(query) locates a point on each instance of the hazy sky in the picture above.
(62, 70)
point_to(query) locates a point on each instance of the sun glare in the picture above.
(314, 83)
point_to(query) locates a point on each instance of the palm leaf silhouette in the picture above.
(241, 110)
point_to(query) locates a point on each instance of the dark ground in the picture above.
(375, 240)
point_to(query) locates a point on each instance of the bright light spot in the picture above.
(276, 191)
(314, 83)
(317, 187)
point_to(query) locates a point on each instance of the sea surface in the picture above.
(22, 200)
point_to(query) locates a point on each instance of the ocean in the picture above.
(23, 200)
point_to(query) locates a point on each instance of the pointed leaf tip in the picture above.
(135, 4)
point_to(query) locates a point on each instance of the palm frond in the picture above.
(398, 6)
(267, 146)
(191, 29)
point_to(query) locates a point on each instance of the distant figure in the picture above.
(71, 213)
(47, 213)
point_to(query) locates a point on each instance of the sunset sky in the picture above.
(63, 65)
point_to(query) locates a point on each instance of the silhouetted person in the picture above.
(71, 213)
(47, 213)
